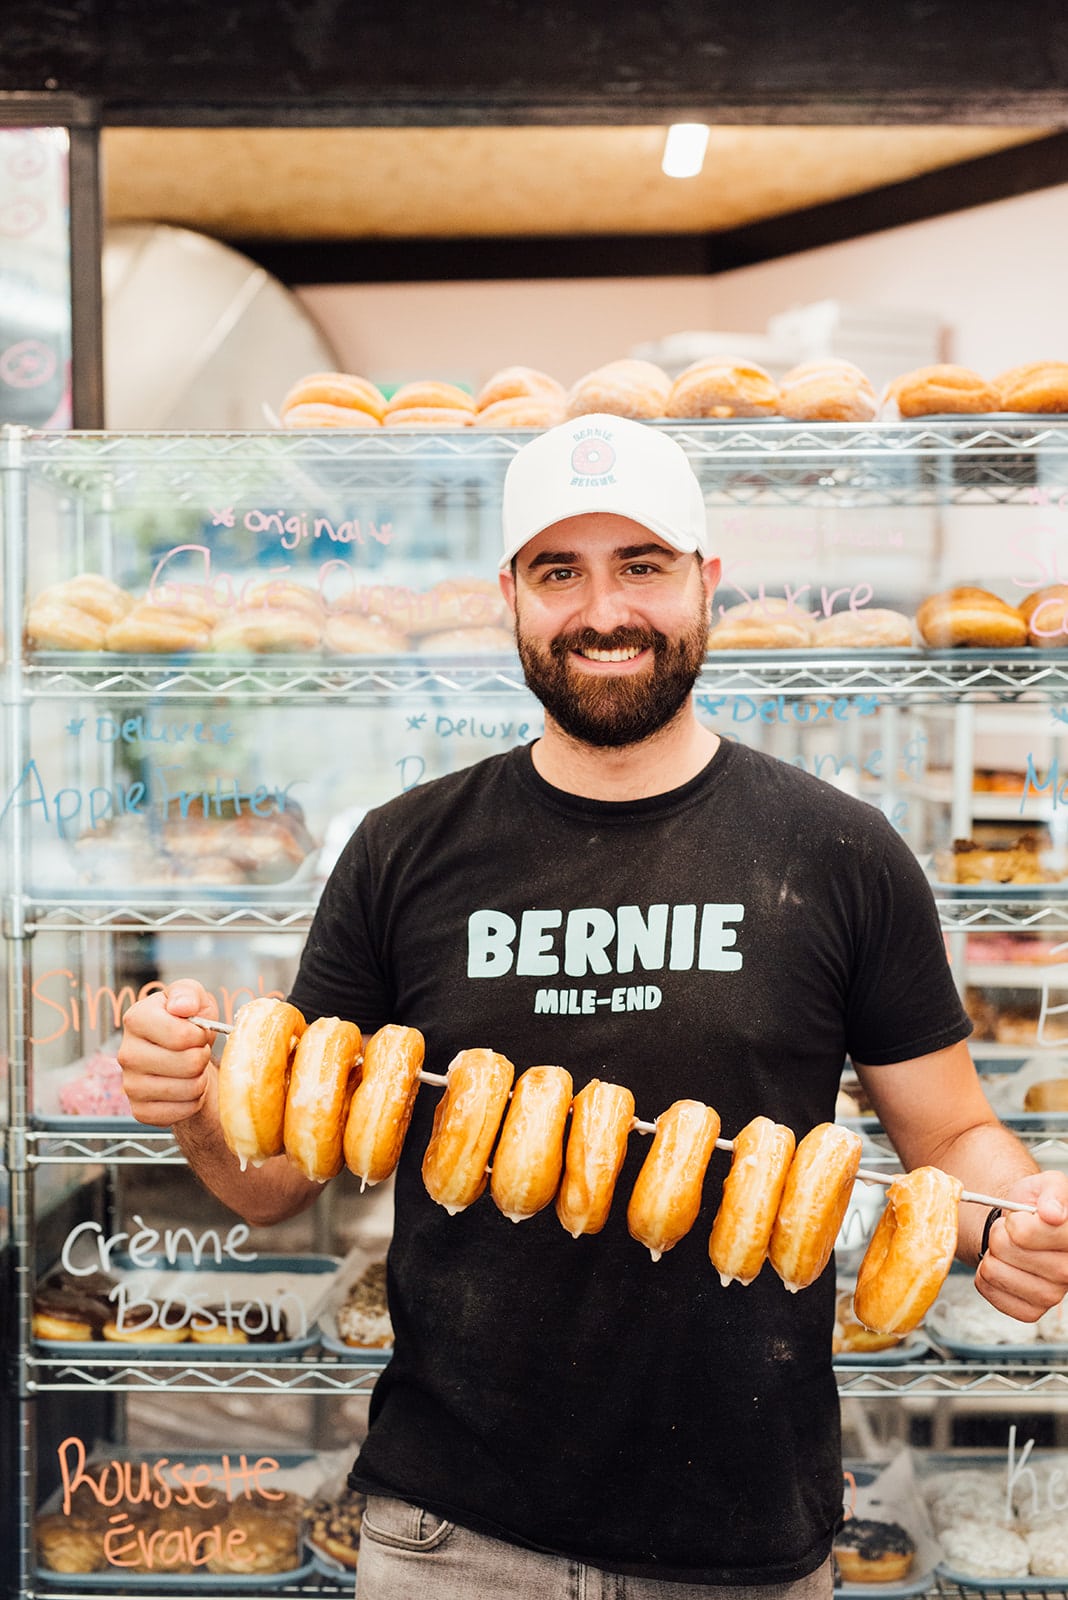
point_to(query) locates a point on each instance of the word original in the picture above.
(676, 937)
(584, 1002)
(101, 802)
(509, 731)
(283, 1312)
(294, 528)
(79, 1005)
(147, 1247)
(163, 1482)
(742, 708)
(148, 730)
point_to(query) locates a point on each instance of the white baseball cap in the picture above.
(603, 463)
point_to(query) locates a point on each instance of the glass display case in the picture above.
(221, 650)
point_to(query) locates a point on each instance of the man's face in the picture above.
(611, 625)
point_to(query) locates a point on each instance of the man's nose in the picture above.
(605, 605)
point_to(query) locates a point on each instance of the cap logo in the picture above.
(592, 461)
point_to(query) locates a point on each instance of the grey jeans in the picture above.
(410, 1554)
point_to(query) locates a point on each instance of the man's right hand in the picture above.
(165, 1059)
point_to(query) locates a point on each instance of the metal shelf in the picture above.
(321, 1373)
(929, 462)
(905, 675)
(71, 914)
(118, 1147)
(325, 1374)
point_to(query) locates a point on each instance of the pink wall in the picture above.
(994, 273)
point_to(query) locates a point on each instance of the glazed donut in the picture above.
(321, 1081)
(529, 1157)
(339, 390)
(441, 418)
(90, 592)
(768, 624)
(827, 391)
(254, 1077)
(457, 603)
(872, 629)
(348, 634)
(942, 389)
(666, 1198)
(1046, 613)
(156, 630)
(814, 1200)
(263, 631)
(852, 1336)
(627, 388)
(910, 1252)
(970, 617)
(520, 383)
(719, 387)
(873, 1552)
(383, 1102)
(533, 413)
(225, 1323)
(602, 1115)
(1040, 386)
(324, 416)
(467, 641)
(466, 1119)
(752, 1189)
(55, 625)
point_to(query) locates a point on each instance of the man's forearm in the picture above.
(988, 1159)
(261, 1195)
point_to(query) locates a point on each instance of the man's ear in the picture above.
(711, 571)
(506, 579)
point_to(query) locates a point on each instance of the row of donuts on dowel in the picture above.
(307, 1092)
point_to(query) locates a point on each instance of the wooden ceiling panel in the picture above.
(383, 183)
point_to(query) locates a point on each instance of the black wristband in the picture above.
(991, 1217)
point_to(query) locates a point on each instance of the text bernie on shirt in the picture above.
(590, 939)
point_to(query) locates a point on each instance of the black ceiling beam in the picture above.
(376, 62)
(1022, 169)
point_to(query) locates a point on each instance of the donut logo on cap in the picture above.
(592, 461)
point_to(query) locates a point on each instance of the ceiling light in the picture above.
(684, 149)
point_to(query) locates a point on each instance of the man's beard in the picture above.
(612, 710)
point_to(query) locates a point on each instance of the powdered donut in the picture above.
(440, 418)
(349, 634)
(827, 391)
(768, 624)
(872, 629)
(520, 383)
(627, 388)
(341, 391)
(531, 413)
(324, 416)
(719, 387)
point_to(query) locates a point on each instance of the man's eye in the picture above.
(556, 574)
(640, 568)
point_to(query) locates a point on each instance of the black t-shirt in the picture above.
(728, 941)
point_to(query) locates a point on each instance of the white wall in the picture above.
(995, 274)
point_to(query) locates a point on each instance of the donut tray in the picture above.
(116, 1580)
(318, 1271)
